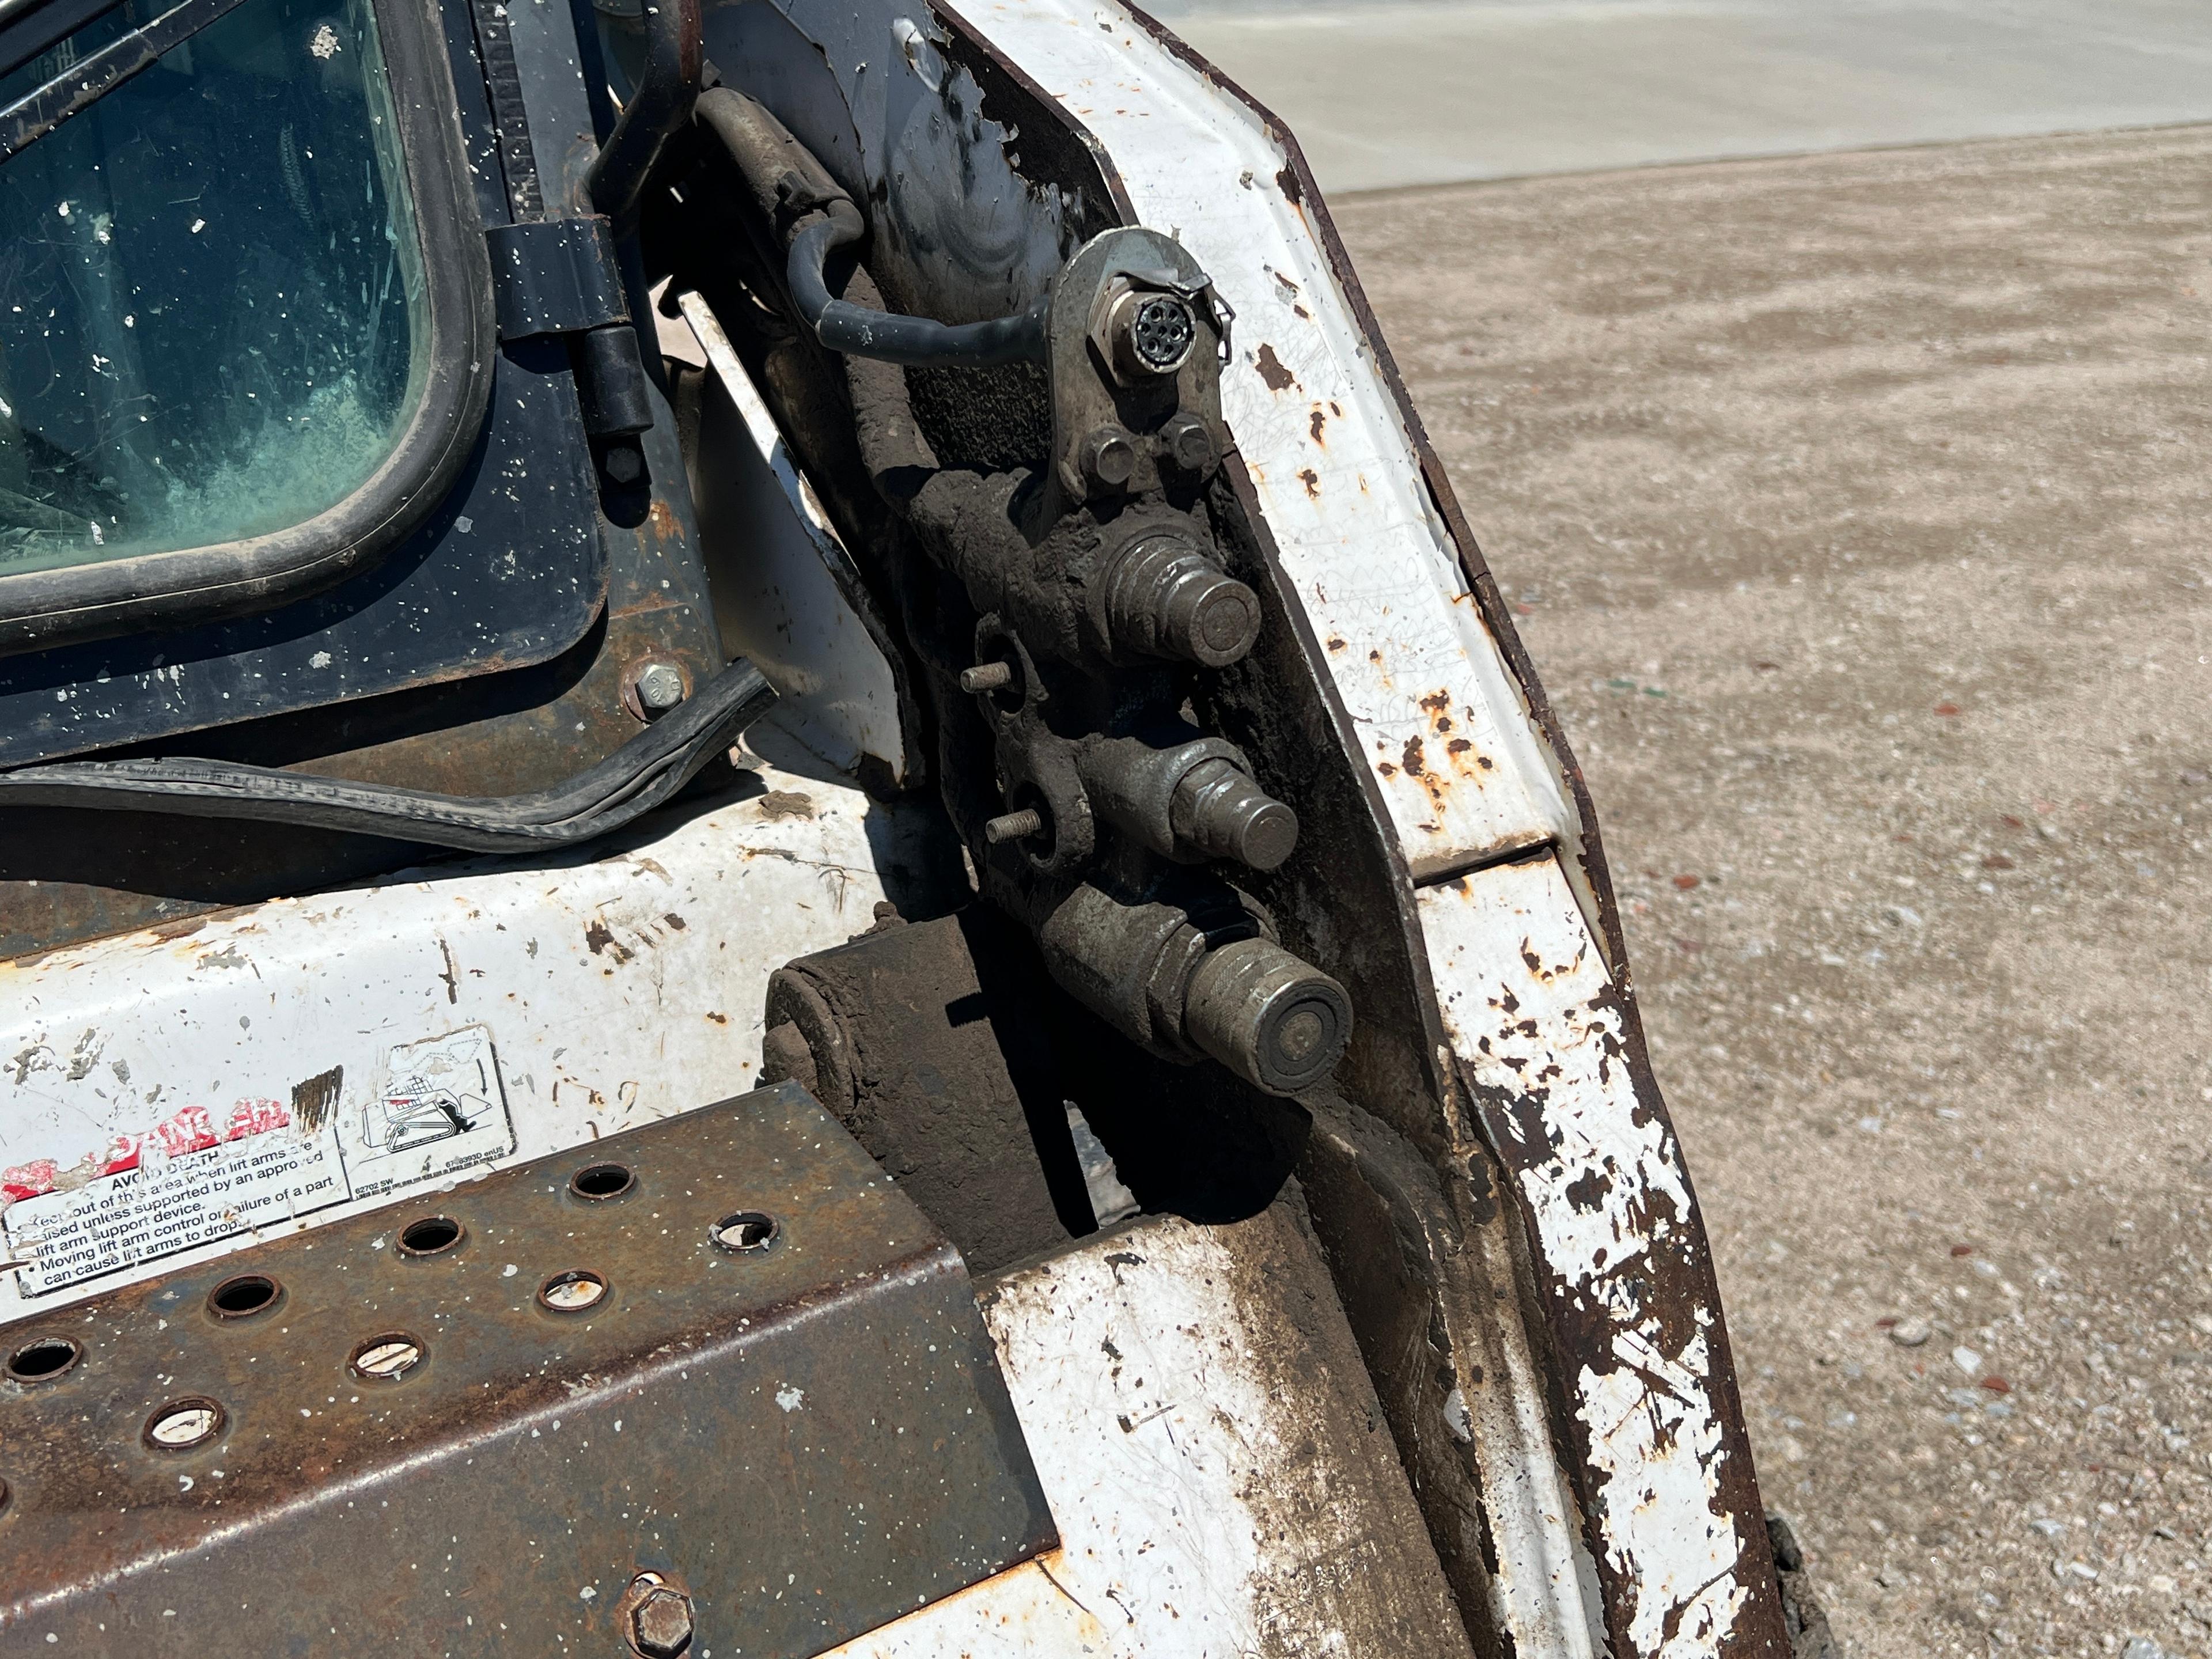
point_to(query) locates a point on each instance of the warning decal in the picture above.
(203, 1190)
(439, 1109)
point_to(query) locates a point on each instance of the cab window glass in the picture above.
(212, 321)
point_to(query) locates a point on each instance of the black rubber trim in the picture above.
(43, 608)
(525, 195)
(641, 774)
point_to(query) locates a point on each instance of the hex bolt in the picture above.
(1014, 826)
(986, 676)
(1278, 1022)
(659, 687)
(1108, 456)
(624, 462)
(1165, 597)
(1187, 442)
(661, 1623)
(1218, 811)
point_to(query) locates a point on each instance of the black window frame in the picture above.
(155, 591)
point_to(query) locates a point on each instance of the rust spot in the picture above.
(1436, 701)
(1947, 709)
(1333, 409)
(787, 804)
(1334, 643)
(675, 921)
(184, 927)
(1958, 1250)
(313, 1099)
(1289, 286)
(1375, 656)
(1685, 882)
(1385, 768)
(1996, 1384)
(660, 522)
(1303, 312)
(1588, 1192)
(1272, 370)
(1311, 479)
(1315, 425)
(718, 1020)
(1412, 758)
(1287, 182)
(1458, 746)
(1485, 763)
(603, 942)
(453, 980)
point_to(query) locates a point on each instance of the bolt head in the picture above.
(1188, 444)
(660, 1624)
(1107, 458)
(624, 463)
(659, 687)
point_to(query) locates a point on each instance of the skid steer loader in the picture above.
(773, 879)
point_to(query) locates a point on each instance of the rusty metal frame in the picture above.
(800, 1430)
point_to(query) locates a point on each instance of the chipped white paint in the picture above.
(1022, 1614)
(1220, 1489)
(787, 593)
(1439, 720)
(1530, 1007)
(611, 988)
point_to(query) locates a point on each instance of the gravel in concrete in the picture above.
(1859, 513)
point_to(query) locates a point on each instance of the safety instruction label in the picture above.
(438, 1108)
(147, 1208)
(432, 1108)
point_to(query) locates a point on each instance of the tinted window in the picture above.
(212, 322)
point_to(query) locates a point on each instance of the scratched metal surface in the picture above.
(1623, 1273)
(1370, 539)
(809, 1437)
(1213, 1450)
(1441, 723)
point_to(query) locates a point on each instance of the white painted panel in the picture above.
(1022, 1613)
(1441, 722)
(1220, 1474)
(787, 595)
(1530, 1008)
(169, 1095)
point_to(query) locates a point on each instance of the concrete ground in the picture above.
(1859, 513)
(1401, 91)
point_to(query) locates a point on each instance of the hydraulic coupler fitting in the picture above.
(1190, 801)
(1187, 987)
(1165, 597)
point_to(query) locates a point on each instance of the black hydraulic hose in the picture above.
(637, 777)
(661, 101)
(791, 187)
(886, 336)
